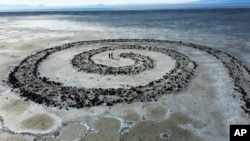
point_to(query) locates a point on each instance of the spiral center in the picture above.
(71, 75)
(117, 61)
(84, 62)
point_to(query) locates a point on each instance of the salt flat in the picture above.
(202, 110)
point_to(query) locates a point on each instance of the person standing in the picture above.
(112, 56)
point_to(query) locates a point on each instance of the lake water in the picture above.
(227, 29)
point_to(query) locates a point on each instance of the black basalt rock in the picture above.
(26, 77)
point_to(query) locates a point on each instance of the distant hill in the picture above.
(9, 8)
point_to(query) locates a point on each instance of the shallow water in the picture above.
(220, 28)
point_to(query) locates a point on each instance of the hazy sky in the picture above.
(107, 2)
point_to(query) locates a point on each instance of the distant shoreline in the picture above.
(152, 7)
(70, 11)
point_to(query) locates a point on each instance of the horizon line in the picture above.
(134, 7)
(136, 4)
